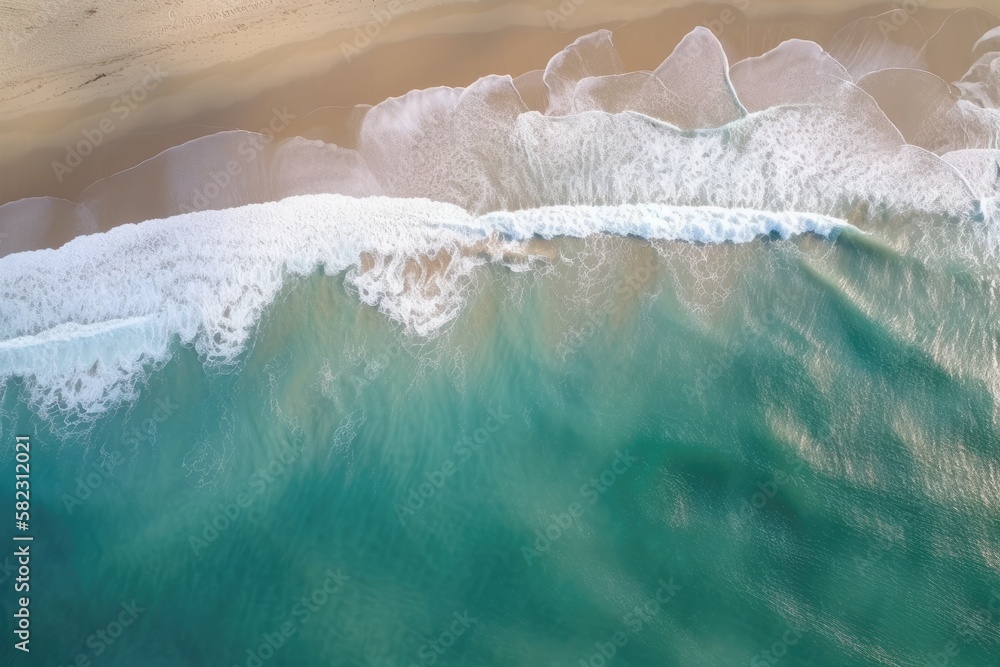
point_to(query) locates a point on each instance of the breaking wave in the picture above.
(444, 180)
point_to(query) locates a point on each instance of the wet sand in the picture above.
(310, 65)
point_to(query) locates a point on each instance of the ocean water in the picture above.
(716, 398)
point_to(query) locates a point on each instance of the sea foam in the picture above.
(80, 322)
(444, 180)
(791, 130)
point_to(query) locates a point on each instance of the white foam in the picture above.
(957, 36)
(85, 367)
(981, 84)
(816, 142)
(981, 167)
(703, 224)
(928, 114)
(874, 43)
(446, 144)
(80, 322)
(794, 72)
(445, 180)
(698, 73)
(791, 158)
(690, 89)
(484, 151)
(31, 223)
(988, 43)
(589, 56)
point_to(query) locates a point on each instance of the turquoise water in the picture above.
(644, 454)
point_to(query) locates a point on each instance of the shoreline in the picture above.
(441, 45)
(311, 76)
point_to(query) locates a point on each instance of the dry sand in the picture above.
(83, 68)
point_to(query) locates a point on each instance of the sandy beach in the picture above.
(470, 333)
(124, 86)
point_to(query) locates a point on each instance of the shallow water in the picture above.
(687, 367)
(787, 467)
